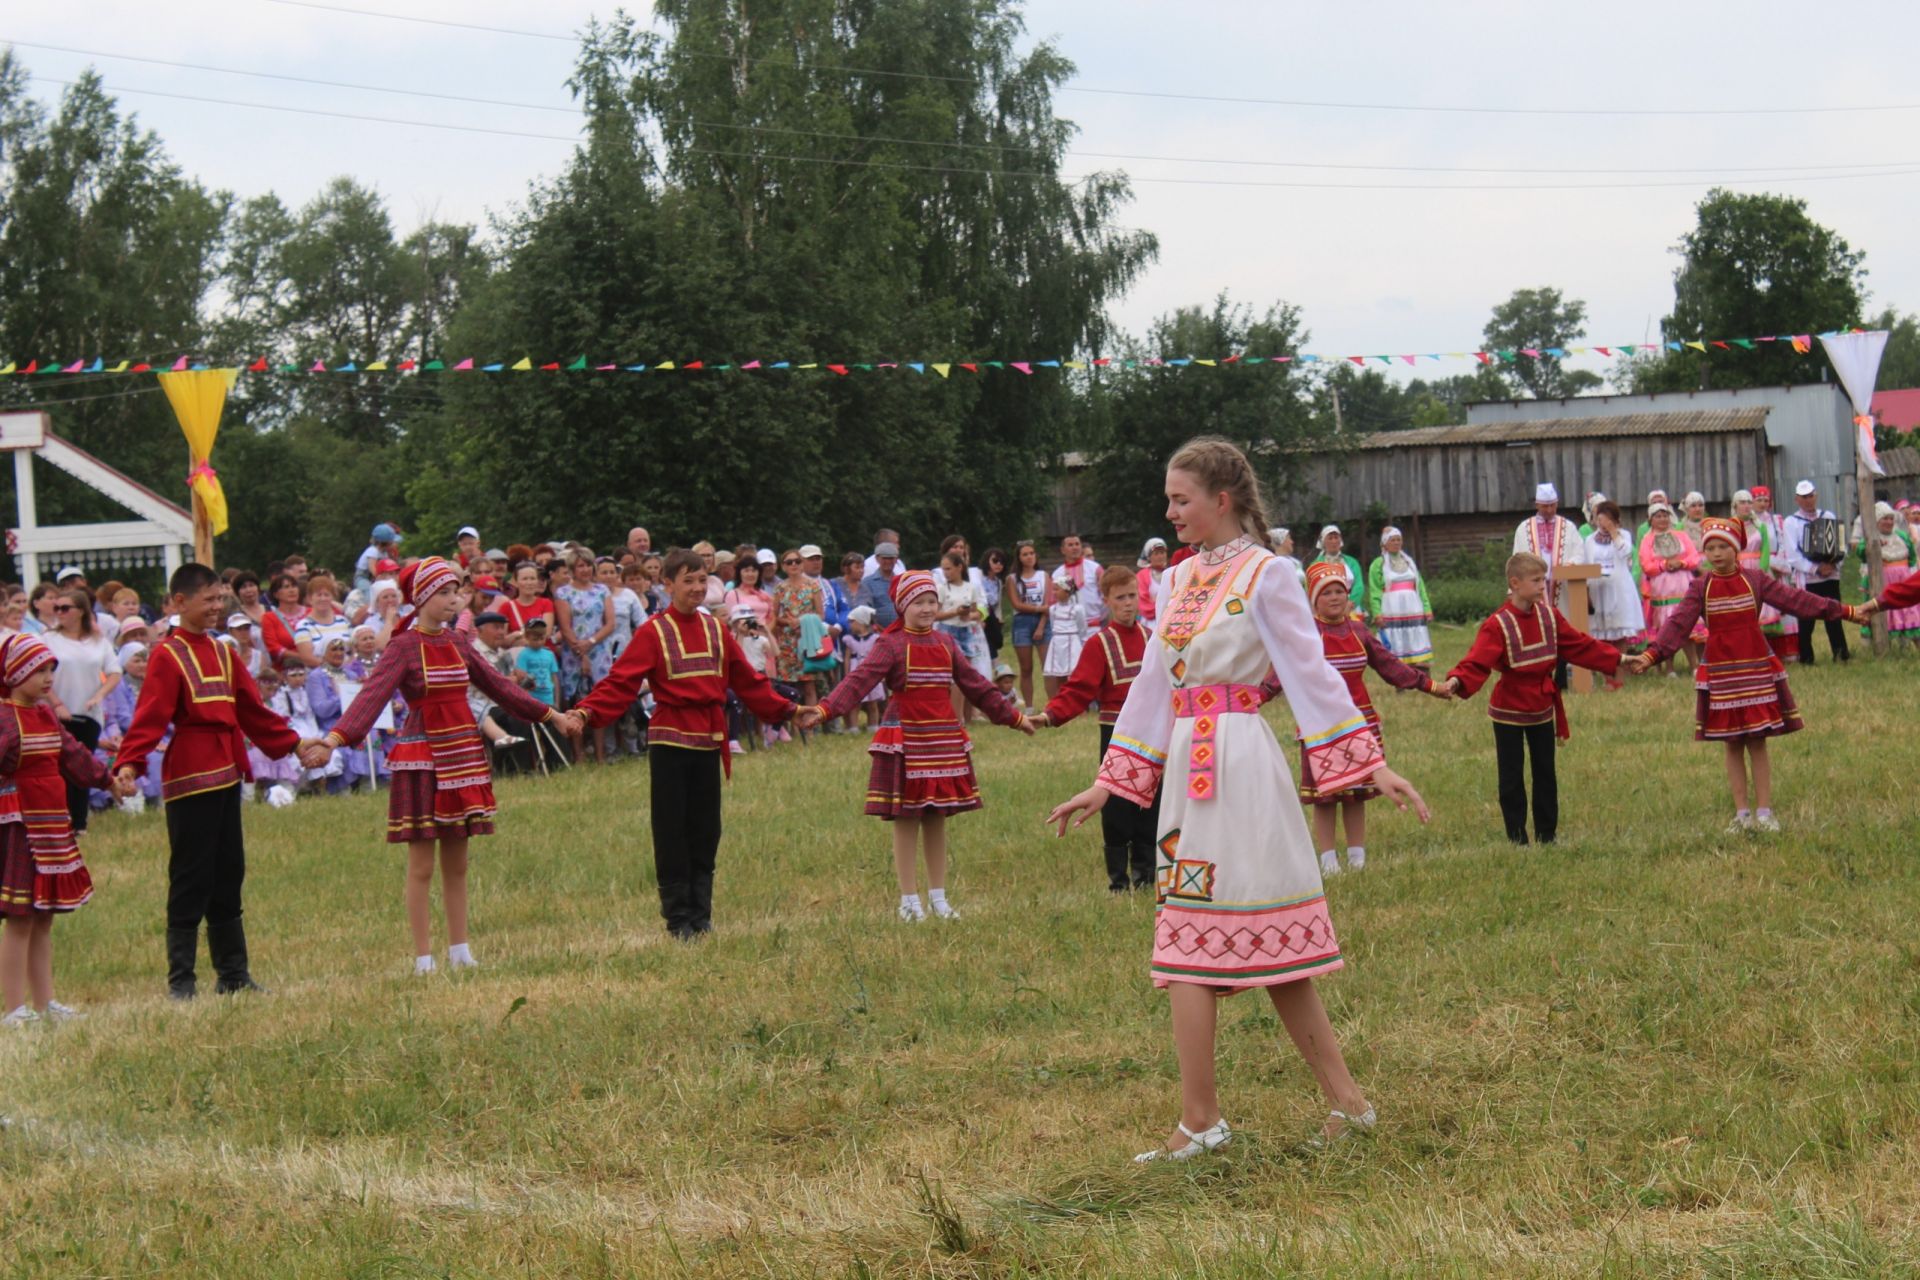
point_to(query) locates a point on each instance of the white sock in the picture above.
(936, 895)
(1329, 863)
(457, 953)
(909, 900)
(423, 964)
(1766, 813)
(1356, 856)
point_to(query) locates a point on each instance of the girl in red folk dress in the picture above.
(442, 789)
(41, 872)
(1351, 649)
(922, 757)
(1741, 694)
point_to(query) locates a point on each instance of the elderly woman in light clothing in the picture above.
(1397, 597)
(1333, 551)
(1153, 563)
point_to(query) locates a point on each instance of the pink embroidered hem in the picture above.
(1241, 946)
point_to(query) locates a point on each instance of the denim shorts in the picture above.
(1024, 625)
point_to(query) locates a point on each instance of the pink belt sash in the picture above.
(1402, 586)
(1204, 705)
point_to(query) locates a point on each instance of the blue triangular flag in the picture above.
(916, 367)
(1048, 364)
(348, 367)
(636, 368)
(492, 368)
(781, 364)
(97, 365)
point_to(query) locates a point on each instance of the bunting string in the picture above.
(1799, 343)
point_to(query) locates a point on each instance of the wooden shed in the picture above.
(1459, 486)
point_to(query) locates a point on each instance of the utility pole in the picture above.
(1338, 425)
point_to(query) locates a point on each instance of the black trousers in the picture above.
(1512, 744)
(208, 862)
(686, 833)
(1130, 833)
(1836, 631)
(87, 733)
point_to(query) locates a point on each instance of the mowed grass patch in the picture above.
(1652, 1050)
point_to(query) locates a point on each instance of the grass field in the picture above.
(1652, 1051)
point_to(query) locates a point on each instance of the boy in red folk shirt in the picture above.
(195, 686)
(1108, 663)
(690, 661)
(1523, 640)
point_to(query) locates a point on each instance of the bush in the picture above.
(1466, 600)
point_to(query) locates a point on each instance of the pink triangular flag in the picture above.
(180, 365)
(75, 367)
(1605, 351)
(605, 368)
(751, 364)
(1023, 367)
(466, 364)
(1408, 359)
(1359, 360)
(318, 367)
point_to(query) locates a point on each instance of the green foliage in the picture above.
(1754, 265)
(1539, 319)
(1900, 363)
(753, 225)
(1268, 411)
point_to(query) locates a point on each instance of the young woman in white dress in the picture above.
(1238, 886)
(1614, 596)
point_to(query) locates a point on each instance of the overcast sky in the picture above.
(1373, 270)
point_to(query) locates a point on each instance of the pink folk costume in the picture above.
(922, 757)
(1238, 883)
(442, 785)
(1741, 688)
(1351, 649)
(1665, 588)
(40, 865)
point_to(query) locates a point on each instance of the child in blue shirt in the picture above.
(537, 661)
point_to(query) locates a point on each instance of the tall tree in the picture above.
(1544, 321)
(1266, 409)
(812, 180)
(1754, 266)
(106, 249)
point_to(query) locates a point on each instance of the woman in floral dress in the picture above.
(584, 609)
(796, 596)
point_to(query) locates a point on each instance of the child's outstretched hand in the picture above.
(1400, 791)
(1085, 805)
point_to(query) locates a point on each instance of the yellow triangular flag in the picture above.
(1076, 364)
(1698, 346)
(378, 366)
(664, 366)
(1209, 363)
(521, 365)
(9, 369)
(1577, 351)
(941, 369)
(806, 366)
(119, 368)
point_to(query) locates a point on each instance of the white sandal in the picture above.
(1197, 1144)
(1362, 1123)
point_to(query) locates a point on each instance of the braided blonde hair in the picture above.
(1221, 467)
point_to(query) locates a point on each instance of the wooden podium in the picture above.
(1574, 578)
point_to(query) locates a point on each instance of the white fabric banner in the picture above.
(1856, 358)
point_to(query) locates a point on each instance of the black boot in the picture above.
(182, 946)
(1116, 868)
(227, 945)
(675, 910)
(700, 904)
(1143, 863)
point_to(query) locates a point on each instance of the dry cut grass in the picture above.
(1652, 1051)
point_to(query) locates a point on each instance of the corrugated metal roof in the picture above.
(1900, 463)
(1685, 423)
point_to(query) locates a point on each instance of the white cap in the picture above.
(1331, 528)
(766, 556)
(238, 620)
(68, 571)
(1742, 495)
(809, 551)
(467, 531)
(1545, 492)
(1804, 489)
(862, 614)
(743, 613)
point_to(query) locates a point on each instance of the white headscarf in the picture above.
(1146, 552)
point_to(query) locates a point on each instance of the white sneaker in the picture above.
(1329, 863)
(24, 1016)
(911, 912)
(1197, 1144)
(1357, 861)
(735, 747)
(422, 966)
(57, 1012)
(135, 803)
(943, 909)
(1768, 823)
(462, 962)
(1739, 826)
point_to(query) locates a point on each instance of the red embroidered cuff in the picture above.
(1129, 777)
(1346, 762)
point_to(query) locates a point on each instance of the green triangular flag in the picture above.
(577, 365)
(996, 364)
(432, 366)
(1508, 356)
(1745, 344)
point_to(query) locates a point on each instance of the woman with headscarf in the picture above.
(1332, 551)
(1897, 563)
(1153, 564)
(1668, 558)
(1397, 598)
(1282, 539)
(442, 791)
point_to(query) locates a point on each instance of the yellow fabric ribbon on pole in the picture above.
(198, 396)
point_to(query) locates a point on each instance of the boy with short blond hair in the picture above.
(1523, 641)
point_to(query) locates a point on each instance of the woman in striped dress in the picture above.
(1667, 561)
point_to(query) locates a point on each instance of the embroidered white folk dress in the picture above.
(1240, 902)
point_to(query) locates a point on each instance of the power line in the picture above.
(1891, 169)
(1447, 109)
(955, 144)
(107, 395)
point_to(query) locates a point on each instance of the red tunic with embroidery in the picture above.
(442, 786)
(1523, 647)
(1351, 649)
(1740, 689)
(214, 707)
(689, 661)
(922, 757)
(1901, 595)
(1108, 663)
(40, 864)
